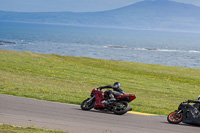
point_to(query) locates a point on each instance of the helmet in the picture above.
(117, 84)
(199, 97)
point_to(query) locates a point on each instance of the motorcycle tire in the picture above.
(85, 105)
(121, 109)
(175, 117)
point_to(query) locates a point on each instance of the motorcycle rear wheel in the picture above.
(175, 117)
(121, 108)
(85, 105)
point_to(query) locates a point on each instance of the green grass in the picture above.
(12, 129)
(159, 89)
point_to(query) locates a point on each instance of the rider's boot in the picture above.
(112, 98)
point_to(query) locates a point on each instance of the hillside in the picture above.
(148, 14)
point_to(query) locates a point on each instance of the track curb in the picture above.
(139, 113)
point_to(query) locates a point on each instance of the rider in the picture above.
(117, 90)
(195, 110)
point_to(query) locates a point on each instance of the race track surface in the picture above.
(20, 111)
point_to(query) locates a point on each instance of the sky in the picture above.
(71, 5)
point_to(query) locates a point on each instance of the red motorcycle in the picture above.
(99, 100)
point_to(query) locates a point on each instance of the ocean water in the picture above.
(152, 47)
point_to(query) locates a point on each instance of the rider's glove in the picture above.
(99, 88)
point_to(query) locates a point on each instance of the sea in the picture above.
(180, 49)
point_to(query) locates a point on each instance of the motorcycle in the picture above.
(99, 100)
(185, 114)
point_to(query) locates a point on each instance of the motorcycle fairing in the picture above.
(188, 117)
(99, 96)
(127, 98)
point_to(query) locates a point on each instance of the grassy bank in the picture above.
(13, 129)
(159, 89)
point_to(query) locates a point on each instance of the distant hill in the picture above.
(148, 14)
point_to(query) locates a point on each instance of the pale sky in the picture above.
(70, 5)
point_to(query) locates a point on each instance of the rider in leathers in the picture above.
(117, 90)
(195, 110)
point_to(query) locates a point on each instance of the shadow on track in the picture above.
(183, 124)
(96, 111)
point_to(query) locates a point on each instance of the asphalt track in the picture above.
(20, 111)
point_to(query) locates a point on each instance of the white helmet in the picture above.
(199, 97)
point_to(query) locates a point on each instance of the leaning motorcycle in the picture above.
(185, 114)
(99, 100)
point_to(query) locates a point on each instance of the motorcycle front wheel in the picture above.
(175, 117)
(87, 104)
(121, 108)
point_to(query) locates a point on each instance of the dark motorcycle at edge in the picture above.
(99, 100)
(183, 114)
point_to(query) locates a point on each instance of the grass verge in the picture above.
(13, 129)
(159, 89)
